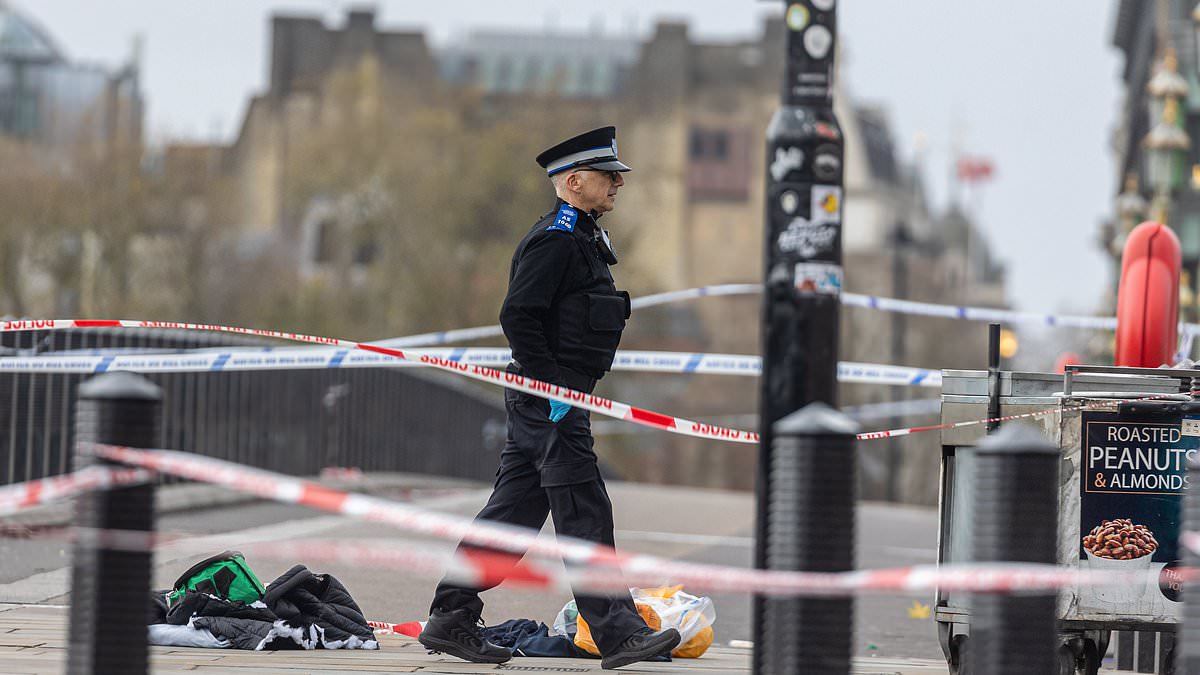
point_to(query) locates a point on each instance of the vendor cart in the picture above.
(1125, 435)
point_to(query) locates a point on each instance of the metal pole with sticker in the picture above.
(802, 251)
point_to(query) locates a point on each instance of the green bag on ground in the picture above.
(225, 575)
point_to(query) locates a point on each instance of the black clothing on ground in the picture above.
(527, 637)
(563, 317)
(300, 610)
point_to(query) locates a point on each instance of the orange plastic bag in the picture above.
(666, 607)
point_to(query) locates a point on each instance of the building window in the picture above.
(719, 163)
(719, 144)
(365, 252)
(586, 82)
(709, 144)
(696, 144)
(326, 241)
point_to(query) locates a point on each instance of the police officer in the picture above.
(563, 318)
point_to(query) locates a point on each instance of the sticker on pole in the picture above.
(826, 205)
(819, 277)
(817, 41)
(806, 238)
(786, 161)
(797, 17)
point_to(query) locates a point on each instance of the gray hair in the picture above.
(559, 180)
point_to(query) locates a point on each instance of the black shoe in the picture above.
(641, 646)
(459, 633)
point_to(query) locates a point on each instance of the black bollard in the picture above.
(110, 588)
(1187, 643)
(810, 527)
(1016, 520)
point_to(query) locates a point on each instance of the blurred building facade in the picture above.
(305, 57)
(691, 118)
(1155, 138)
(49, 99)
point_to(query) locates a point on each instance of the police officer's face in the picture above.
(598, 189)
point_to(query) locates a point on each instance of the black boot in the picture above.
(459, 633)
(641, 646)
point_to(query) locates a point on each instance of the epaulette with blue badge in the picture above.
(564, 220)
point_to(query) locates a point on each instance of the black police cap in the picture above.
(595, 149)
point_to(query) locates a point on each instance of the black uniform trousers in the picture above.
(550, 468)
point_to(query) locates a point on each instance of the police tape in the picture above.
(1191, 541)
(1105, 404)
(480, 332)
(292, 490)
(521, 383)
(692, 293)
(409, 628)
(597, 404)
(893, 433)
(485, 569)
(741, 364)
(588, 401)
(30, 494)
(912, 307)
(590, 565)
(976, 313)
(861, 413)
(323, 357)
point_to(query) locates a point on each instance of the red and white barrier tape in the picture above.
(849, 299)
(317, 357)
(1107, 403)
(595, 566)
(486, 569)
(410, 628)
(479, 332)
(893, 433)
(307, 493)
(596, 404)
(23, 496)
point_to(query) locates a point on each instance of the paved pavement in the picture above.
(700, 525)
(33, 640)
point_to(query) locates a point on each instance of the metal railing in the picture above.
(290, 421)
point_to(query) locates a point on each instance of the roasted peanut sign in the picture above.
(1134, 472)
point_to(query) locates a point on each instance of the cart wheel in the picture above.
(1089, 660)
(959, 655)
(1068, 664)
(1102, 638)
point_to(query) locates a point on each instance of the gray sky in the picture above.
(1032, 85)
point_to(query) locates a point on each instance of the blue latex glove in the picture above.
(558, 410)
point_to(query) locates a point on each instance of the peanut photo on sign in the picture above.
(1120, 539)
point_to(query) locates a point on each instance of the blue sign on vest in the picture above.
(564, 220)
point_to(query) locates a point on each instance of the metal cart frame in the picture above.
(966, 396)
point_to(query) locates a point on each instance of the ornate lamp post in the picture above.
(1196, 32)
(1167, 142)
(1166, 84)
(1131, 209)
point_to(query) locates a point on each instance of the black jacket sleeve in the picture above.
(537, 277)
